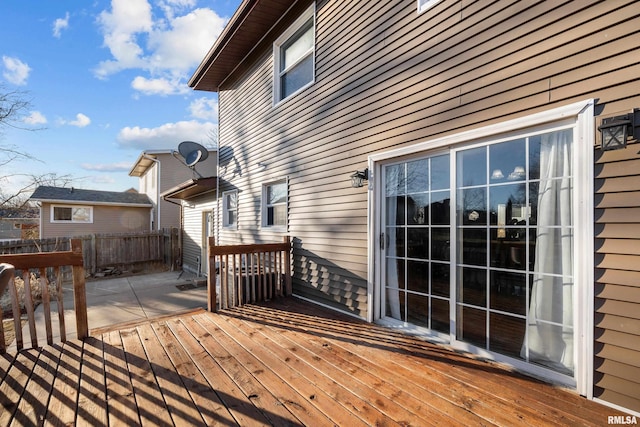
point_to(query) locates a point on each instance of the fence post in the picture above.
(79, 293)
(93, 254)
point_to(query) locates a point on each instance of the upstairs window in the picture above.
(72, 214)
(294, 57)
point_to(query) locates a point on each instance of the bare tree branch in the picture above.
(14, 105)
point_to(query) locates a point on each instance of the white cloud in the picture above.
(161, 86)
(35, 118)
(183, 45)
(16, 71)
(171, 7)
(107, 167)
(80, 121)
(167, 136)
(104, 179)
(204, 108)
(120, 29)
(165, 42)
(60, 24)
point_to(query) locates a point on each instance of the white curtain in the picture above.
(393, 182)
(550, 317)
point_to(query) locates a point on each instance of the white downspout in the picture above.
(157, 162)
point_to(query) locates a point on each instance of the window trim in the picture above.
(226, 209)
(264, 206)
(72, 221)
(424, 5)
(581, 115)
(309, 14)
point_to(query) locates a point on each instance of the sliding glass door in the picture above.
(477, 244)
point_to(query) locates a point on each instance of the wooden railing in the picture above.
(248, 273)
(42, 263)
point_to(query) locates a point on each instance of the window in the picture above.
(426, 4)
(230, 209)
(72, 214)
(274, 205)
(293, 56)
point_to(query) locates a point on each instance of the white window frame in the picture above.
(424, 5)
(277, 57)
(264, 206)
(581, 114)
(226, 209)
(72, 221)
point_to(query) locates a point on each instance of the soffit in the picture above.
(190, 188)
(252, 20)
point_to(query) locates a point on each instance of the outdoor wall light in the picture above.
(358, 178)
(614, 131)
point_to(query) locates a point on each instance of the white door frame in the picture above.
(207, 230)
(582, 114)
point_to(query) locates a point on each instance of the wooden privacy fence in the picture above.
(132, 250)
(39, 264)
(143, 251)
(248, 273)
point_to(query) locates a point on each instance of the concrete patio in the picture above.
(125, 299)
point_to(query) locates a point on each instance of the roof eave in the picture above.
(140, 166)
(89, 202)
(190, 188)
(253, 19)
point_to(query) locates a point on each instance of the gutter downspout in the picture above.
(158, 199)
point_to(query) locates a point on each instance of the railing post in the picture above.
(287, 265)
(79, 293)
(211, 277)
(6, 280)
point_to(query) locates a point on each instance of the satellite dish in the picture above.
(192, 152)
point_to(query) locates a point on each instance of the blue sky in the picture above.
(106, 80)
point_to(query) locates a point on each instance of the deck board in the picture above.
(282, 363)
(61, 407)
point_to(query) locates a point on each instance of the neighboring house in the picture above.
(18, 223)
(67, 212)
(197, 198)
(161, 170)
(492, 220)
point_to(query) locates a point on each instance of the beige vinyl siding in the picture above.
(617, 288)
(192, 233)
(106, 219)
(172, 173)
(388, 77)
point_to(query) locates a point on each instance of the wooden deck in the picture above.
(279, 363)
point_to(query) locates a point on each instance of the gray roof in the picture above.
(94, 197)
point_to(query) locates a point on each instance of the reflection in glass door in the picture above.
(509, 288)
(514, 249)
(417, 239)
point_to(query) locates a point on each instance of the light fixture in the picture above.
(358, 178)
(614, 131)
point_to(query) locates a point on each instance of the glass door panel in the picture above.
(514, 256)
(417, 242)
